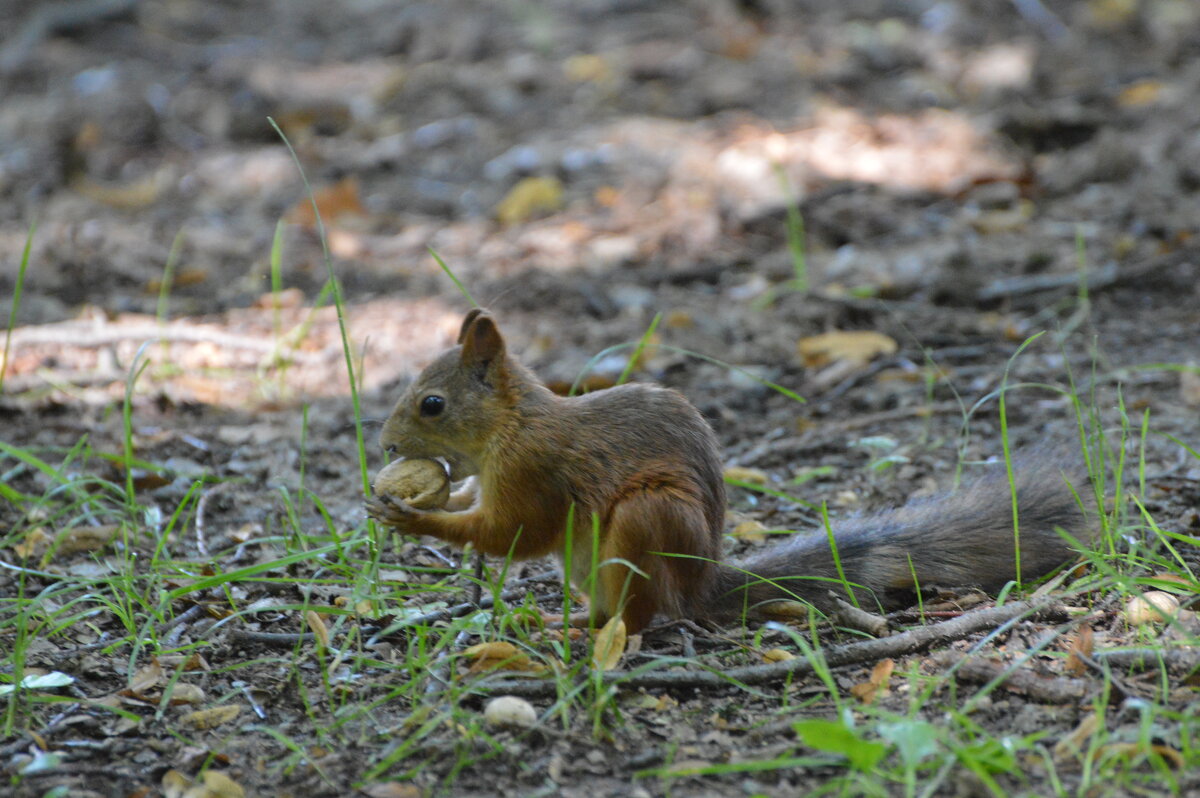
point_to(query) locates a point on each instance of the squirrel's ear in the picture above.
(482, 344)
(472, 314)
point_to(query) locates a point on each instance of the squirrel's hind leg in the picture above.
(643, 529)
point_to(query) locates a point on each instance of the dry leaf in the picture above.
(588, 68)
(1176, 579)
(184, 663)
(753, 476)
(589, 384)
(557, 635)
(36, 542)
(684, 766)
(777, 655)
(85, 538)
(218, 611)
(174, 784)
(318, 627)
(1082, 645)
(858, 347)
(211, 718)
(665, 703)
(846, 498)
(1130, 750)
(496, 649)
(129, 197)
(531, 196)
(1141, 94)
(610, 645)
(1005, 220)
(187, 694)
(1076, 741)
(340, 199)
(182, 277)
(246, 532)
(123, 726)
(147, 678)
(679, 319)
(877, 684)
(221, 786)
(784, 610)
(391, 789)
(149, 480)
(394, 575)
(290, 298)
(89, 137)
(606, 196)
(749, 530)
(1112, 14)
(499, 654)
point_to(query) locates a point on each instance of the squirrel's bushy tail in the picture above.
(963, 538)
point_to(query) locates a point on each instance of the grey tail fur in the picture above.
(959, 539)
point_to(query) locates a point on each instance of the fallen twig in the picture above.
(1121, 690)
(514, 591)
(1184, 659)
(275, 639)
(91, 334)
(201, 505)
(1106, 276)
(867, 651)
(1042, 689)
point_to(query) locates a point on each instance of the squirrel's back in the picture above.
(639, 435)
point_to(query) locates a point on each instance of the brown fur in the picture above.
(642, 464)
(963, 538)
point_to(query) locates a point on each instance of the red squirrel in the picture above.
(643, 462)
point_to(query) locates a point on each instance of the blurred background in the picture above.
(579, 166)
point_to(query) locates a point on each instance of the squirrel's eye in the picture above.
(432, 405)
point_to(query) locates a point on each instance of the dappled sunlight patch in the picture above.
(243, 174)
(933, 150)
(681, 189)
(245, 357)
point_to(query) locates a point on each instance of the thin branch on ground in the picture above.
(868, 651)
(1042, 689)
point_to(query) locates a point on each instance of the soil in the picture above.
(970, 176)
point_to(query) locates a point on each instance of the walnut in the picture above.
(421, 484)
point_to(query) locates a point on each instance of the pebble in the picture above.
(509, 711)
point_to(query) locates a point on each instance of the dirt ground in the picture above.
(969, 174)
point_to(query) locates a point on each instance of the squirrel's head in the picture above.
(455, 404)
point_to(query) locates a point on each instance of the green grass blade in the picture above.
(16, 302)
(340, 307)
(458, 283)
(641, 347)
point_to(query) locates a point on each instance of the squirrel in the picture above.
(638, 466)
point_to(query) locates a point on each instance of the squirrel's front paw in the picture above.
(389, 511)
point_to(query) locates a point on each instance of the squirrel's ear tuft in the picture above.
(482, 344)
(472, 314)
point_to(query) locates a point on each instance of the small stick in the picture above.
(868, 651)
(1042, 689)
